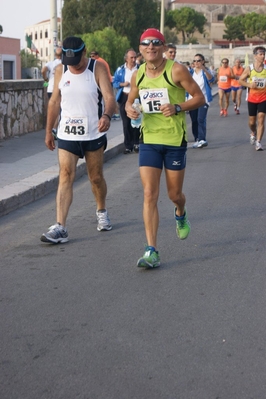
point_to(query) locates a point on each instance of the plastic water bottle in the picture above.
(136, 122)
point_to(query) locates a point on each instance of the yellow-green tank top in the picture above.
(155, 127)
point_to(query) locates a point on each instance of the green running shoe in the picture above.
(182, 226)
(151, 258)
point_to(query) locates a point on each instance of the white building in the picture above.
(40, 35)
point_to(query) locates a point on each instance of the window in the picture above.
(40, 34)
(8, 70)
(46, 34)
(36, 36)
(46, 51)
(220, 17)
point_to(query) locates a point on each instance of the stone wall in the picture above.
(23, 105)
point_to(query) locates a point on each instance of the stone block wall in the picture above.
(23, 105)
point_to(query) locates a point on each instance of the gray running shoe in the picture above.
(252, 139)
(55, 234)
(104, 223)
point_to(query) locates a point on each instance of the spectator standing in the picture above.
(224, 76)
(170, 52)
(95, 55)
(161, 85)
(236, 87)
(139, 59)
(254, 78)
(122, 79)
(203, 77)
(81, 131)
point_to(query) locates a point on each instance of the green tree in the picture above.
(1, 29)
(29, 60)
(170, 35)
(255, 25)
(127, 18)
(186, 20)
(70, 17)
(109, 44)
(234, 28)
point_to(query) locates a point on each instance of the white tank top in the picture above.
(81, 105)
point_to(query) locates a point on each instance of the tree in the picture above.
(186, 20)
(29, 60)
(109, 44)
(1, 29)
(234, 28)
(255, 25)
(127, 18)
(70, 17)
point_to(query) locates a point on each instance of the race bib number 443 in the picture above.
(75, 126)
(152, 99)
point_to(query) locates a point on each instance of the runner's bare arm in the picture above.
(53, 108)
(182, 78)
(103, 81)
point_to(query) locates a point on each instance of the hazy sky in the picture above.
(16, 15)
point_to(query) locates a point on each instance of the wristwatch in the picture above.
(177, 109)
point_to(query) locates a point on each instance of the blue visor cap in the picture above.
(72, 56)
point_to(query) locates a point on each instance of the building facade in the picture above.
(41, 36)
(10, 62)
(215, 11)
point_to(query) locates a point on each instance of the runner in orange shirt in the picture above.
(224, 76)
(236, 87)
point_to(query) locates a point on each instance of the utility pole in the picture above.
(162, 16)
(53, 28)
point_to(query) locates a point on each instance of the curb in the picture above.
(32, 188)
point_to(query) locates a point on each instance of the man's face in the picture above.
(131, 59)
(153, 51)
(170, 54)
(260, 55)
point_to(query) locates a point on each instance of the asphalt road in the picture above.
(81, 321)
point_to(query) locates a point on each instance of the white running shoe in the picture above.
(104, 223)
(202, 143)
(258, 146)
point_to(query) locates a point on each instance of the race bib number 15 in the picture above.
(152, 99)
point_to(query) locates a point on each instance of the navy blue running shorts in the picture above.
(157, 156)
(80, 147)
(255, 108)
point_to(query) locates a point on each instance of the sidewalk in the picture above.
(29, 170)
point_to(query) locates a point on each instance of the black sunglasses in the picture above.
(197, 60)
(155, 42)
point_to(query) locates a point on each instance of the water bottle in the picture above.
(136, 122)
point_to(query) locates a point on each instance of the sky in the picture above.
(16, 15)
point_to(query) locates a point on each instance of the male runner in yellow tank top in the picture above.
(254, 78)
(161, 85)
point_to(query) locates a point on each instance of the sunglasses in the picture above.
(197, 60)
(155, 42)
(172, 52)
